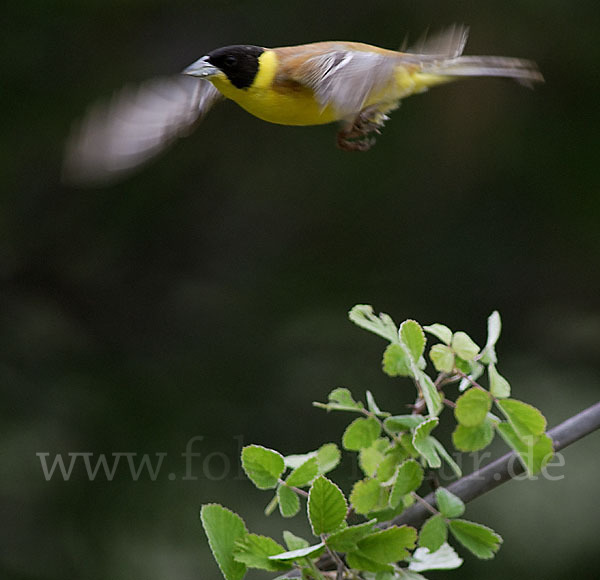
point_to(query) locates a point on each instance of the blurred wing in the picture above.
(344, 78)
(448, 43)
(134, 126)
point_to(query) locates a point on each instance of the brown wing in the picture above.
(345, 74)
(135, 125)
(341, 74)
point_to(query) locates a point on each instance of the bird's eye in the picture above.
(230, 60)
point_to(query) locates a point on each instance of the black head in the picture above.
(239, 63)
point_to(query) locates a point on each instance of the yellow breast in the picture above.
(281, 103)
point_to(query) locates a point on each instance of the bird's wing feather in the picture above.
(448, 43)
(344, 78)
(345, 75)
(134, 126)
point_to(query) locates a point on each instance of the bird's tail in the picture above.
(523, 71)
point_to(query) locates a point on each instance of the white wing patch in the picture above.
(345, 78)
(134, 126)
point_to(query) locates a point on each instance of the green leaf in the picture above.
(362, 315)
(413, 337)
(399, 423)
(270, 508)
(462, 365)
(289, 504)
(345, 540)
(434, 533)
(223, 529)
(406, 440)
(328, 457)
(526, 420)
(387, 514)
(382, 444)
(533, 453)
(366, 495)
(326, 506)
(387, 468)
(372, 406)
(254, 551)
(396, 362)
(294, 542)
(494, 328)
(543, 451)
(369, 459)
(362, 432)
(432, 397)
(340, 399)
(263, 466)
(408, 478)
(450, 505)
(439, 331)
(480, 540)
(472, 407)
(447, 457)
(488, 355)
(473, 370)
(463, 346)
(443, 559)
(312, 551)
(388, 545)
(303, 474)
(442, 357)
(424, 444)
(358, 561)
(294, 461)
(473, 438)
(343, 396)
(499, 386)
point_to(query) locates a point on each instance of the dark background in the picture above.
(207, 295)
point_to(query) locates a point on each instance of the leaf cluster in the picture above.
(355, 535)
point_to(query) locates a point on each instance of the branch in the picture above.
(491, 476)
(505, 468)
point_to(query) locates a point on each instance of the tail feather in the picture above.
(521, 70)
(440, 55)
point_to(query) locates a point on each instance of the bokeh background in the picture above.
(206, 296)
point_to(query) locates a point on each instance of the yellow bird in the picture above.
(352, 83)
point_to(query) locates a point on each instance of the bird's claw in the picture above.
(358, 136)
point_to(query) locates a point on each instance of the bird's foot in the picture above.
(358, 136)
(348, 142)
(370, 120)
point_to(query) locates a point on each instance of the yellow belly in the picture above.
(294, 107)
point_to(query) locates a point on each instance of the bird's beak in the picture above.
(201, 68)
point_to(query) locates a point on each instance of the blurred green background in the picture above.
(206, 296)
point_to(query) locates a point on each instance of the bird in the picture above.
(354, 84)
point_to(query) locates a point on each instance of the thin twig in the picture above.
(298, 490)
(425, 504)
(470, 379)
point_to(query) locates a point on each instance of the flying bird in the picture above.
(354, 84)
